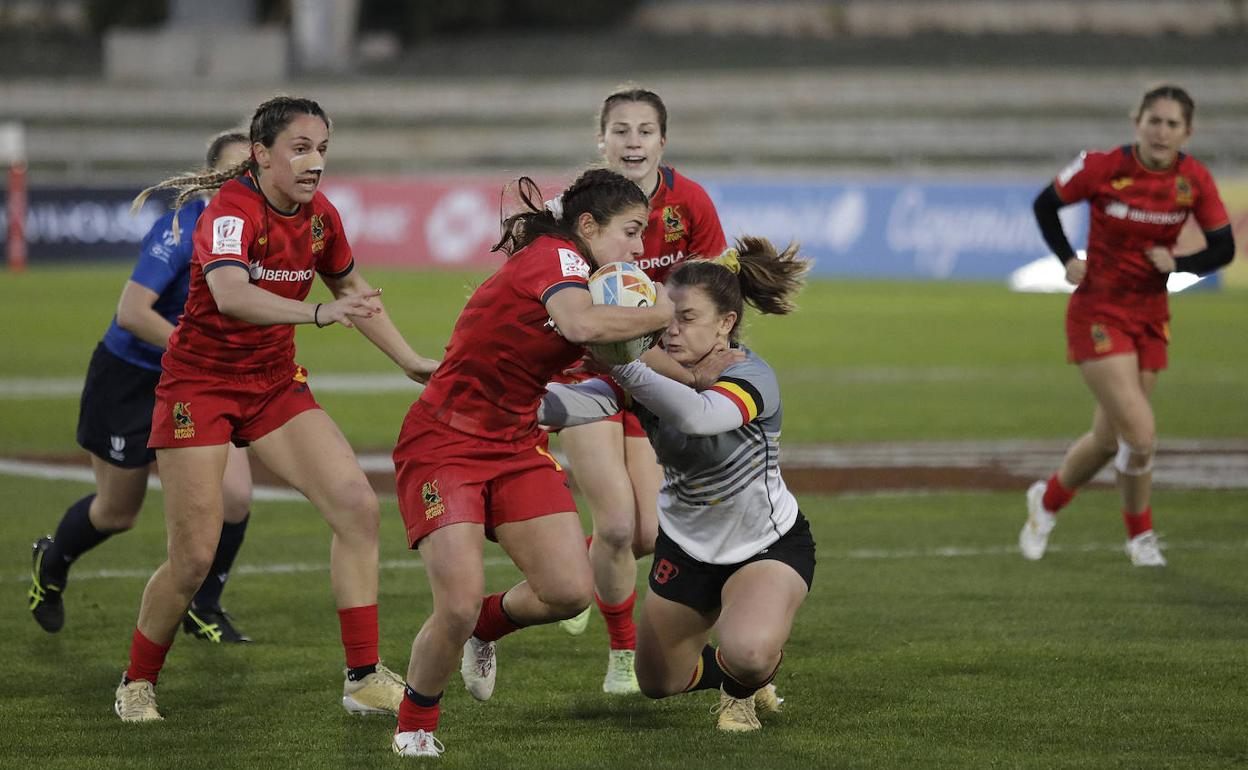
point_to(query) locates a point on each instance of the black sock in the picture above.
(356, 674)
(209, 594)
(427, 701)
(738, 689)
(709, 676)
(75, 535)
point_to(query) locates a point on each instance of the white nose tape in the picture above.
(308, 163)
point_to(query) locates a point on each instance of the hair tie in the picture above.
(729, 259)
(555, 207)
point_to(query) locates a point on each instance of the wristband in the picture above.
(316, 316)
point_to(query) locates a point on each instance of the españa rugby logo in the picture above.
(434, 507)
(318, 234)
(184, 426)
(673, 224)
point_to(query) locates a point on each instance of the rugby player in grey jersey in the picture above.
(734, 552)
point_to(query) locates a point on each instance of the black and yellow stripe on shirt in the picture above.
(741, 393)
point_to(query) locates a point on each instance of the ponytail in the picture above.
(752, 272)
(599, 192)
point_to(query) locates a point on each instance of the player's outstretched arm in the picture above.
(379, 328)
(237, 297)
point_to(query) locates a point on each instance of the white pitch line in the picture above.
(59, 472)
(857, 554)
(17, 388)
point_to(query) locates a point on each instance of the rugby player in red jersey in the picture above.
(1117, 322)
(613, 461)
(229, 376)
(471, 460)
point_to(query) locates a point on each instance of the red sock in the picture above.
(493, 623)
(359, 635)
(1138, 523)
(146, 658)
(419, 712)
(588, 540)
(1056, 496)
(620, 626)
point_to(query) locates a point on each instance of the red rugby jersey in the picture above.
(1133, 209)
(281, 252)
(505, 348)
(683, 223)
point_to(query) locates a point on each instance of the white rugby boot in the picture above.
(417, 743)
(1145, 551)
(1034, 537)
(479, 668)
(576, 625)
(621, 678)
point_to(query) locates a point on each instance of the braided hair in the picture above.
(269, 119)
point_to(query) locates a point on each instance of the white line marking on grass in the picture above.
(957, 552)
(58, 472)
(868, 554)
(15, 388)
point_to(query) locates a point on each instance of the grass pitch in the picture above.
(926, 642)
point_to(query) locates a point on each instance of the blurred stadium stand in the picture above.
(775, 85)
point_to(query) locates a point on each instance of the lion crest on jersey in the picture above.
(184, 426)
(318, 233)
(673, 224)
(1182, 191)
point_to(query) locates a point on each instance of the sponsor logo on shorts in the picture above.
(1182, 191)
(318, 234)
(1101, 342)
(117, 447)
(664, 571)
(184, 426)
(434, 507)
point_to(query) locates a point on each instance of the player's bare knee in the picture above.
(236, 503)
(654, 687)
(1134, 458)
(748, 660)
(458, 615)
(643, 541)
(190, 563)
(615, 536)
(359, 514)
(110, 515)
(566, 600)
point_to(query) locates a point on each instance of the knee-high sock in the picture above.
(209, 594)
(493, 622)
(75, 535)
(620, 626)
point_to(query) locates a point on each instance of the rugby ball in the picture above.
(622, 284)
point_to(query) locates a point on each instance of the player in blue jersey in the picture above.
(115, 417)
